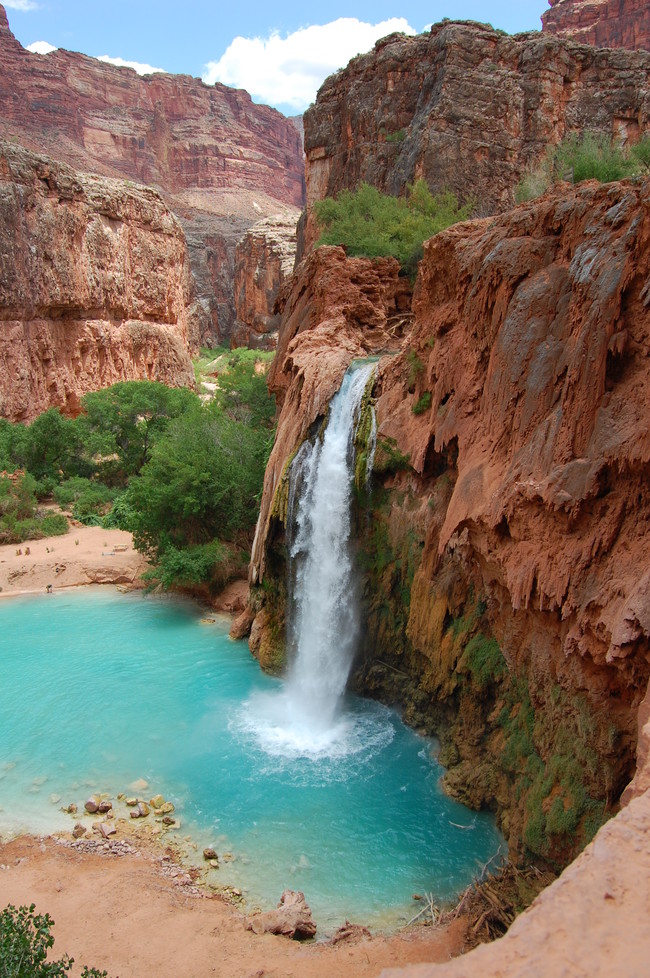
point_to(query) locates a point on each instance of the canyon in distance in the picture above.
(501, 543)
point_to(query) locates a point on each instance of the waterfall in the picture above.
(323, 604)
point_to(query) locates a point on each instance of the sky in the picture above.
(278, 51)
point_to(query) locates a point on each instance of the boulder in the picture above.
(92, 804)
(292, 918)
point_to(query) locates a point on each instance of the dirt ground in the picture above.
(138, 913)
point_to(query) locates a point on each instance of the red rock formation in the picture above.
(514, 436)
(467, 108)
(94, 286)
(264, 259)
(220, 161)
(334, 309)
(603, 23)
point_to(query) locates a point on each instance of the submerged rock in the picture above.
(292, 918)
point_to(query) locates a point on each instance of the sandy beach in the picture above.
(85, 555)
(140, 913)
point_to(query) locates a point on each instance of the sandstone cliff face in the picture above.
(94, 286)
(468, 109)
(220, 161)
(506, 577)
(603, 23)
(264, 259)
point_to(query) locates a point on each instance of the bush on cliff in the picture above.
(369, 223)
(589, 156)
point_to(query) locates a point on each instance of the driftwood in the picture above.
(493, 900)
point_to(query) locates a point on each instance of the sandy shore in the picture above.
(85, 555)
(139, 912)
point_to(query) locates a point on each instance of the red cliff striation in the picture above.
(264, 259)
(506, 578)
(220, 161)
(467, 108)
(603, 23)
(95, 286)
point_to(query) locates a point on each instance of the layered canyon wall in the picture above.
(95, 286)
(264, 260)
(502, 548)
(467, 108)
(603, 23)
(220, 161)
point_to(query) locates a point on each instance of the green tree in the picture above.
(121, 424)
(368, 222)
(201, 484)
(50, 447)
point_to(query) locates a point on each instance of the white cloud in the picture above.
(290, 70)
(23, 5)
(136, 65)
(40, 47)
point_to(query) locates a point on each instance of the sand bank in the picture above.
(140, 913)
(85, 555)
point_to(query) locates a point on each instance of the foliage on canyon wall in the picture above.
(585, 156)
(369, 223)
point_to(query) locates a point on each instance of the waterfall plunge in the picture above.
(323, 599)
(302, 719)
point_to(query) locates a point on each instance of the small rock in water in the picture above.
(168, 820)
(105, 806)
(157, 801)
(71, 809)
(214, 863)
(210, 853)
(167, 808)
(92, 804)
(131, 802)
(78, 831)
(139, 785)
(143, 808)
(55, 799)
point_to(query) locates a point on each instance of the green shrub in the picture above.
(369, 223)
(484, 660)
(641, 152)
(585, 156)
(422, 404)
(88, 500)
(591, 157)
(25, 941)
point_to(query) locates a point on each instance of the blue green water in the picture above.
(99, 689)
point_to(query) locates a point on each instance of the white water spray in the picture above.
(303, 719)
(323, 601)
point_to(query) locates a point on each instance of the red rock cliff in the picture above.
(95, 286)
(506, 574)
(603, 23)
(220, 161)
(264, 260)
(468, 109)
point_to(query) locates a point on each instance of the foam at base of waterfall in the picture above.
(277, 726)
